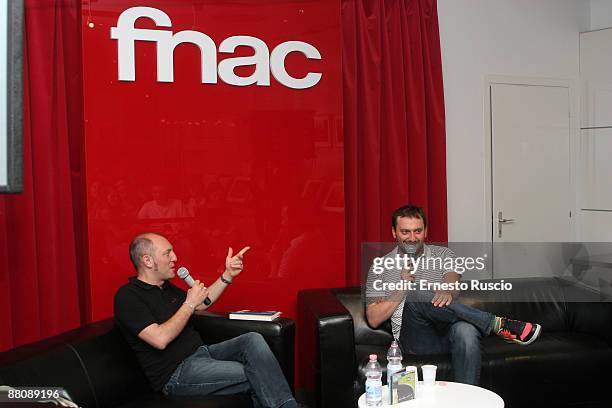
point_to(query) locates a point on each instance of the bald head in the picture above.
(142, 245)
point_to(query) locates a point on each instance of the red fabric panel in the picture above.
(395, 148)
(39, 274)
(73, 74)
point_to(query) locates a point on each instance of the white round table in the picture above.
(446, 394)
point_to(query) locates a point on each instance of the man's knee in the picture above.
(254, 339)
(465, 334)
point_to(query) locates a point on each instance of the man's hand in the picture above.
(196, 294)
(442, 298)
(233, 264)
(407, 275)
(445, 297)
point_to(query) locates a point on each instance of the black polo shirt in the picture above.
(138, 305)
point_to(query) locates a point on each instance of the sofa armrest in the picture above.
(279, 334)
(327, 349)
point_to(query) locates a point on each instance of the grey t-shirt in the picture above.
(431, 269)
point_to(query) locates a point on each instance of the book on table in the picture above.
(403, 386)
(266, 316)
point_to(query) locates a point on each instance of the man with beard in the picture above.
(432, 322)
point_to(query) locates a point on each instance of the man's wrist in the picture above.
(192, 307)
(225, 280)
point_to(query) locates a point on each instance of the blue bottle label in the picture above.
(374, 391)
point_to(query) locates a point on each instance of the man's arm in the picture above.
(160, 335)
(379, 312)
(233, 267)
(214, 292)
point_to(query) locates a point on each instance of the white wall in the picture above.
(601, 14)
(522, 38)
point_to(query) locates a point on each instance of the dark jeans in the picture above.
(242, 364)
(455, 329)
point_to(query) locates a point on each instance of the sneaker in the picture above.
(516, 331)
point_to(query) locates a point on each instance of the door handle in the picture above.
(501, 220)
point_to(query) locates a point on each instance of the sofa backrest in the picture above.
(49, 363)
(540, 300)
(59, 367)
(555, 303)
(114, 372)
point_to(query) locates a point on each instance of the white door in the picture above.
(530, 174)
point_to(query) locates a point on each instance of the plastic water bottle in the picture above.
(394, 365)
(373, 383)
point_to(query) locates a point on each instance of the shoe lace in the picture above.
(505, 333)
(514, 327)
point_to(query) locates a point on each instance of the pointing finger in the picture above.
(229, 252)
(243, 251)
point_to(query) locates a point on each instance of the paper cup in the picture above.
(429, 374)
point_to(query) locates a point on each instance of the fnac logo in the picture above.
(264, 61)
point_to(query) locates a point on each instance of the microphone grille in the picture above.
(182, 272)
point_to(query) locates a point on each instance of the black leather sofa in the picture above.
(98, 369)
(570, 365)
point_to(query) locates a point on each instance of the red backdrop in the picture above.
(267, 173)
(214, 165)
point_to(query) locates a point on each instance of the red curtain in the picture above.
(395, 148)
(38, 262)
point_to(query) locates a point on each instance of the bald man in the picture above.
(155, 318)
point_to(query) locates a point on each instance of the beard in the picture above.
(412, 249)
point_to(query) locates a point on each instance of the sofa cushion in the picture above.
(569, 365)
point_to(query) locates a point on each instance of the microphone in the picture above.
(408, 248)
(183, 273)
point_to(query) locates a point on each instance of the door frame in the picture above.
(574, 141)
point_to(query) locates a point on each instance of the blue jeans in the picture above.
(242, 364)
(455, 329)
